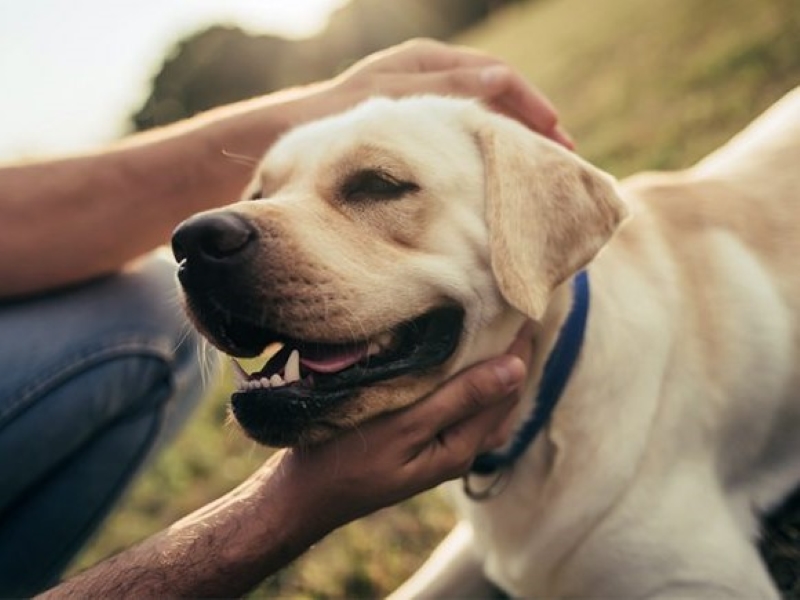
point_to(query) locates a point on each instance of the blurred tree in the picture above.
(225, 64)
(216, 66)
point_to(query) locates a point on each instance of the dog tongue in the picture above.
(332, 358)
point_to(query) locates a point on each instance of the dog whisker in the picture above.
(240, 159)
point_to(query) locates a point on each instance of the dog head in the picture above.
(384, 249)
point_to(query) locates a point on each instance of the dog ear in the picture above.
(548, 212)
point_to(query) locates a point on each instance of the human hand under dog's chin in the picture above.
(397, 455)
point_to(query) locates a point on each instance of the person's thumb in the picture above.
(471, 406)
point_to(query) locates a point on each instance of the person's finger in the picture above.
(512, 95)
(463, 412)
(472, 409)
(500, 87)
(470, 392)
(427, 55)
(429, 66)
(487, 76)
(477, 433)
(508, 88)
(496, 422)
(563, 138)
(522, 347)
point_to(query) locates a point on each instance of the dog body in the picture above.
(677, 428)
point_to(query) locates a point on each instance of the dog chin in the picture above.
(285, 420)
(306, 391)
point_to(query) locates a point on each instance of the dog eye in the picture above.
(256, 195)
(366, 185)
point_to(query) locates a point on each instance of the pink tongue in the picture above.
(333, 358)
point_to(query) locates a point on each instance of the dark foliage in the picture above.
(224, 64)
(781, 547)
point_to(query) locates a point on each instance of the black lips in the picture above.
(278, 416)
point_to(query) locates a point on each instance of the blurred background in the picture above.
(639, 85)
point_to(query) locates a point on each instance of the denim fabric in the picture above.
(92, 380)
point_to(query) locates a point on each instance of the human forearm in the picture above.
(69, 220)
(83, 216)
(221, 550)
(300, 495)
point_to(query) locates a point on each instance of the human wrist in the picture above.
(290, 511)
(259, 528)
(311, 486)
(248, 128)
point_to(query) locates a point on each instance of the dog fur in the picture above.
(677, 429)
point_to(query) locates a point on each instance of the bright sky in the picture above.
(72, 71)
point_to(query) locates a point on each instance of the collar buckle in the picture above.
(498, 483)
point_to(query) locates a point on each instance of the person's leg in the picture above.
(93, 379)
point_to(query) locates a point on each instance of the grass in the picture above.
(651, 84)
(640, 85)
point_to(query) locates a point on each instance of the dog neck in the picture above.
(555, 368)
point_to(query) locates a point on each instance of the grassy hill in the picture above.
(652, 84)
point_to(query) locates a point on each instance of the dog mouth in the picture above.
(302, 381)
(416, 344)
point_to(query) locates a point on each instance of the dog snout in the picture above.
(213, 240)
(213, 249)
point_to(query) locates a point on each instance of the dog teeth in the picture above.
(270, 351)
(291, 372)
(257, 384)
(239, 374)
(380, 344)
(384, 340)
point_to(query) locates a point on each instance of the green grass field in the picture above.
(640, 85)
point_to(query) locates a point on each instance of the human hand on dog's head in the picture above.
(397, 455)
(429, 67)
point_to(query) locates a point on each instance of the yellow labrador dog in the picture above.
(390, 246)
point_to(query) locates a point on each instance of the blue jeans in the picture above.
(92, 380)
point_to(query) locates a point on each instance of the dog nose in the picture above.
(216, 238)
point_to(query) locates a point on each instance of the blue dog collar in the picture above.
(557, 370)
